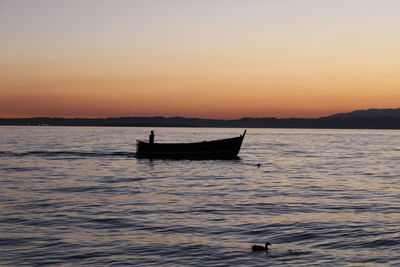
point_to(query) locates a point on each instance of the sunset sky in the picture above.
(198, 58)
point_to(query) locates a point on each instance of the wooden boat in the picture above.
(215, 149)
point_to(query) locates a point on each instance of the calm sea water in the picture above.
(77, 196)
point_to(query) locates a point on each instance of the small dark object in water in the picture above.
(260, 248)
(258, 165)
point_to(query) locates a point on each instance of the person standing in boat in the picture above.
(151, 137)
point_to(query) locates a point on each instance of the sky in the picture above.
(221, 59)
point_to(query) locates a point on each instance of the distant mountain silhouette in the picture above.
(369, 113)
(360, 119)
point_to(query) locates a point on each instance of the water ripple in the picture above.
(78, 197)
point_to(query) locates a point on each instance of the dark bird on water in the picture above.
(261, 248)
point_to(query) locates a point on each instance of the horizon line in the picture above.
(202, 118)
(158, 116)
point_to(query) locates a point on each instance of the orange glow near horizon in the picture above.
(261, 59)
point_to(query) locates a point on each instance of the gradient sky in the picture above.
(198, 58)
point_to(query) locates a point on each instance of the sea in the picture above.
(78, 196)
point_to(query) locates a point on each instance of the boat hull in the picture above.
(217, 149)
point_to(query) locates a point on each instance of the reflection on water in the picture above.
(76, 195)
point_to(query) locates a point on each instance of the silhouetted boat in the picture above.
(215, 149)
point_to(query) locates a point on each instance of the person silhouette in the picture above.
(151, 137)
